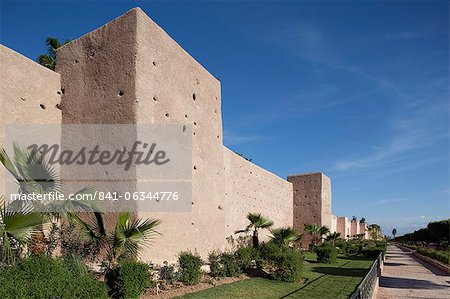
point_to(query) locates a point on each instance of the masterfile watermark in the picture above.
(115, 167)
(147, 155)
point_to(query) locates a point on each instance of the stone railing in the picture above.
(367, 287)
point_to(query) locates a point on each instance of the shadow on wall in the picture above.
(409, 283)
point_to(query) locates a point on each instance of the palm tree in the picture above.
(49, 60)
(362, 220)
(34, 175)
(316, 232)
(17, 226)
(127, 238)
(284, 236)
(394, 232)
(354, 219)
(256, 222)
(333, 237)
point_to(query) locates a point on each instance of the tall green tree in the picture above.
(49, 60)
(257, 222)
(394, 232)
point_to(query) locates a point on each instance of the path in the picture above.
(405, 276)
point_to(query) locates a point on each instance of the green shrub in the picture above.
(190, 264)
(248, 257)
(128, 279)
(326, 254)
(371, 251)
(286, 263)
(215, 267)
(342, 245)
(167, 273)
(230, 265)
(44, 277)
(443, 256)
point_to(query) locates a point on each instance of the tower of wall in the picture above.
(130, 71)
(312, 201)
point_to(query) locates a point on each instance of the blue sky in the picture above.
(357, 90)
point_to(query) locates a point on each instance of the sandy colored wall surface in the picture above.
(333, 225)
(249, 188)
(130, 71)
(161, 83)
(312, 201)
(29, 94)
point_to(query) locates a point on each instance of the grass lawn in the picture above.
(337, 280)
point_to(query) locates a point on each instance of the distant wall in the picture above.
(249, 188)
(343, 226)
(333, 225)
(29, 94)
(312, 201)
(354, 228)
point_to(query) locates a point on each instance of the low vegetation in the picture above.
(432, 241)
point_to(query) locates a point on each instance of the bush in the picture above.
(286, 263)
(371, 251)
(128, 279)
(230, 265)
(248, 257)
(45, 277)
(190, 272)
(224, 265)
(443, 256)
(343, 246)
(167, 273)
(326, 254)
(216, 269)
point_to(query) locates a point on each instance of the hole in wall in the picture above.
(195, 123)
(121, 93)
(193, 133)
(167, 114)
(58, 106)
(76, 61)
(195, 167)
(63, 90)
(185, 116)
(23, 99)
(154, 63)
(155, 99)
(42, 106)
(194, 97)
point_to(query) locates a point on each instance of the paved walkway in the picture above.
(405, 276)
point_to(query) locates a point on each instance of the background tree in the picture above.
(394, 232)
(49, 60)
(374, 231)
(256, 222)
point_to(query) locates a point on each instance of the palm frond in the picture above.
(130, 235)
(18, 224)
(47, 61)
(284, 236)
